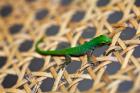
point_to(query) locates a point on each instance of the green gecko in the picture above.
(85, 49)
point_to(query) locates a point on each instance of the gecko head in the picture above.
(103, 39)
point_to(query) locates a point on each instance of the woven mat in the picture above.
(67, 23)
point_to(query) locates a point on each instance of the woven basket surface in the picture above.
(63, 24)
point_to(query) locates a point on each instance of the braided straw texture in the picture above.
(67, 23)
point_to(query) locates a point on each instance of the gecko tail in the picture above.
(37, 49)
(48, 52)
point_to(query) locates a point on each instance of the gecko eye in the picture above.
(103, 42)
(106, 42)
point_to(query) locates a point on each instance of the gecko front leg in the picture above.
(89, 56)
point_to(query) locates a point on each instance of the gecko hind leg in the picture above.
(89, 57)
(67, 61)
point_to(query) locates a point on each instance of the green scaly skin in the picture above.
(86, 48)
(78, 50)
